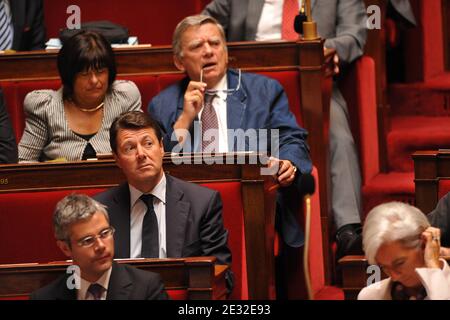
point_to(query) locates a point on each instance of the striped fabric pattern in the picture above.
(5, 28)
(47, 134)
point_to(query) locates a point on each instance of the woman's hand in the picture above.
(432, 239)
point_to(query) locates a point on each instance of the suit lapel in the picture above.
(254, 11)
(236, 105)
(121, 211)
(177, 212)
(63, 292)
(120, 284)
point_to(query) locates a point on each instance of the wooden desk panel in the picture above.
(198, 275)
(429, 168)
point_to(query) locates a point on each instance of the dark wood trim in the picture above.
(198, 275)
(429, 168)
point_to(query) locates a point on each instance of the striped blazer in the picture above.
(47, 134)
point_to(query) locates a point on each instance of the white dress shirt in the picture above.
(83, 294)
(220, 106)
(269, 25)
(138, 210)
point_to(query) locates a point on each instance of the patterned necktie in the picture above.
(96, 290)
(150, 233)
(290, 10)
(209, 122)
(5, 29)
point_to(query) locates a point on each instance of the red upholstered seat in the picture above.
(358, 88)
(444, 187)
(147, 85)
(26, 231)
(233, 214)
(290, 80)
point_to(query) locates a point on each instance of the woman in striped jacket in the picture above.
(73, 122)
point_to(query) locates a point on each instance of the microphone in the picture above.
(300, 18)
(298, 22)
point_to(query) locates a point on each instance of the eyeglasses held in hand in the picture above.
(227, 91)
(90, 240)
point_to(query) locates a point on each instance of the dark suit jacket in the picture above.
(8, 146)
(29, 25)
(260, 103)
(194, 223)
(125, 283)
(340, 22)
(440, 218)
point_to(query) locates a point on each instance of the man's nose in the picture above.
(140, 151)
(99, 244)
(207, 49)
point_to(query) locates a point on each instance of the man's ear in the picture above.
(162, 145)
(116, 159)
(64, 247)
(178, 63)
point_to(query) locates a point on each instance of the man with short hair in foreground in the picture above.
(84, 234)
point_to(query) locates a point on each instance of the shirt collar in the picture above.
(159, 191)
(103, 281)
(222, 85)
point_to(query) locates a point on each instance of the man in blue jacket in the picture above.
(216, 109)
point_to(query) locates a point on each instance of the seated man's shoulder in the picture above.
(192, 188)
(256, 80)
(108, 195)
(52, 291)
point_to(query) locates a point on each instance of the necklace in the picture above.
(94, 109)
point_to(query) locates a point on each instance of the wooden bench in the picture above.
(184, 278)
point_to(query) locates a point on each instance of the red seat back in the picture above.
(26, 231)
(233, 216)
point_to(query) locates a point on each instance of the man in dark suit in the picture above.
(8, 146)
(251, 111)
(157, 215)
(26, 24)
(85, 235)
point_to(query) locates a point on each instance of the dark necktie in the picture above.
(96, 290)
(5, 29)
(209, 122)
(150, 233)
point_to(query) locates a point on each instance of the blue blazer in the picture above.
(259, 103)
